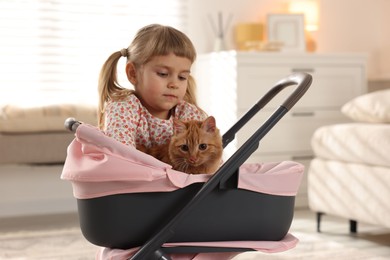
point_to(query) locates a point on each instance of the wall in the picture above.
(345, 26)
(357, 26)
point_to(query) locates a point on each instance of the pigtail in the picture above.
(108, 86)
(190, 95)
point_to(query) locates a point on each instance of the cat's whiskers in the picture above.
(180, 164)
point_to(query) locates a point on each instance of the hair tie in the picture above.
(124, 52)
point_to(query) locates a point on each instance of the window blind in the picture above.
(54, 49)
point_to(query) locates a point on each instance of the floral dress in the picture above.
(130, 123)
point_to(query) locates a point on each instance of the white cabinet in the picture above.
(229, 83)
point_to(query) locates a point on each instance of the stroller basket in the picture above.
(121, 205)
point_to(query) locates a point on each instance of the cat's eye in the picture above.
(184, 148)
(202, 147)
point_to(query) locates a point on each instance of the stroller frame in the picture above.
(193, 197)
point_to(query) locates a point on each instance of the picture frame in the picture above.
(287, 29)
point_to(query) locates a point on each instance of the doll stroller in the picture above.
(127, 199)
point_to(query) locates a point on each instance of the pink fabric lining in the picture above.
(288, 242)
(98, 165)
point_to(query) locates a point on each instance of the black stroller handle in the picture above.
(302, 80)
(152, 248)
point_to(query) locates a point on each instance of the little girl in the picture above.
(158, 65)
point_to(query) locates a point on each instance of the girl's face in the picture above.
(162, 83)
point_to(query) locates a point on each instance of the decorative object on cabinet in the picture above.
(310, 9)
(288, 29)
(248, 36)
(227, 82)
(219, 29)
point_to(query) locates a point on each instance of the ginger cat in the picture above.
(195, 147)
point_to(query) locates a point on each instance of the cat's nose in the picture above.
(192, 159)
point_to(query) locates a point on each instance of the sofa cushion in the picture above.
(353, 142)
(28, 148)
(19, 118)
(373, 107)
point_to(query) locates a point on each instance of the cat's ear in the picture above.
(178, 126)
(209, 124)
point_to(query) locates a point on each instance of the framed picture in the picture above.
(287, 29)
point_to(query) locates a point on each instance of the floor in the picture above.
(59, 237)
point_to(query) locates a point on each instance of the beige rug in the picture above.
(321, 246)
(69, 244)
(54, 244)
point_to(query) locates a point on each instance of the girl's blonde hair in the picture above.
(152, 40)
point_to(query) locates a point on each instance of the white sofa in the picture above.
(350, 174)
